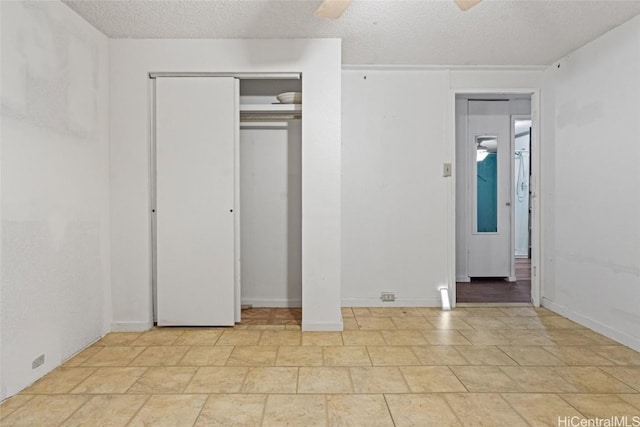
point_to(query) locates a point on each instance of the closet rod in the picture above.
(242, 76)
(264, 125)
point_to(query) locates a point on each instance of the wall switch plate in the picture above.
(388, 297)
(38, 361)
(446, 169)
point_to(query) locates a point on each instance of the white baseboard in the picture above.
(590, 323)
(464, 279)
(323, 326)
(263, 302)
(131, 326)
(399, 302)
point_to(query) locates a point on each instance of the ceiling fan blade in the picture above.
(465, 5)
(332, 9)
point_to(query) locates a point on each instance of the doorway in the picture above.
(493, 199)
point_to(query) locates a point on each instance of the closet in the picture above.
(270, 194)
(226, 205)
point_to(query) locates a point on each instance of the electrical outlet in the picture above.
(38, 361)
(388, 297)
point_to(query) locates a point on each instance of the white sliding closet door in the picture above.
(196, 130)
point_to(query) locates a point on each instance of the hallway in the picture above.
(491, 289)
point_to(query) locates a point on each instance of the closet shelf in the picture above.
(270, 108)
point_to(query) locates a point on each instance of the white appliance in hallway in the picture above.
(489, 138)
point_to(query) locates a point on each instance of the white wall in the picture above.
(55, 241)
(394, 197)
(591, 132)
(397, 208)
(270, 209)
(319, 63)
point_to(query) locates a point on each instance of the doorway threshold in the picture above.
(494, 304)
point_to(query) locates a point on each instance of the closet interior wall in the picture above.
(270, 199)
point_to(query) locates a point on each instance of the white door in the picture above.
(196, 129)
(489, 146)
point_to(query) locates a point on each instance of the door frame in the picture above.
(534, 185)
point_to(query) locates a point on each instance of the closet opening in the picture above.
(270, 190)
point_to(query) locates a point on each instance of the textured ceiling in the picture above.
(394, 32)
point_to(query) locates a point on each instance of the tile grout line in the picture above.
(183, 356)
(191, 379)
(569, 403)
(353, 385)
(76, 410)
(188, 382)
(244, 378)
(326, 410)
(386, 402)
(453, 411)
(17, 407)
(217, 338)
(513, 409)
(139, 409)
(404, 378)
(612, 377)
(146, 369)
(200, 411)
(507, 355)
(458, 378)
(275, 362)
(264, 407)
(369, 354)
(412, 351)
(610, 359)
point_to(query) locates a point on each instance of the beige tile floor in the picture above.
(492, 366)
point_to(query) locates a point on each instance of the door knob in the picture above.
(508, 203)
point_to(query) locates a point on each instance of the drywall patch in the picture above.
(52, 81)
(572, 114)
(614, 267)
(81, 93)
